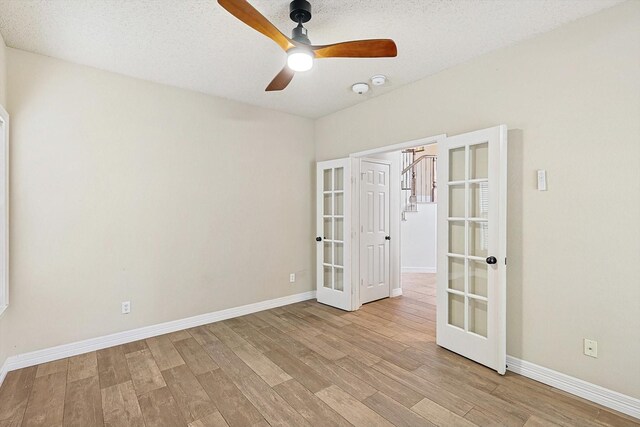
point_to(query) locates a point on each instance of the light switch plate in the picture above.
(542, 180)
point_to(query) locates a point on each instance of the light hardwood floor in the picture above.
(299, 365)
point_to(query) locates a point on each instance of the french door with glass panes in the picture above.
(471, 289)
(333, 238)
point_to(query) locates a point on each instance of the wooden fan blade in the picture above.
(242, 10)
(282, 80)
(375, 48)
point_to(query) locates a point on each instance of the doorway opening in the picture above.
(398, 195)
(418, 239)
(382, 271)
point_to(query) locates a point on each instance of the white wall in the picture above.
(573, 250)
(123, 189)
(418, 247)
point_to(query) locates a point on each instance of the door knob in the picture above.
(491, 260)
(318, 239)
(387, 237)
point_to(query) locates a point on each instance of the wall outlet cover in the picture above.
(126, 307)
(292, 278)
(590, 348)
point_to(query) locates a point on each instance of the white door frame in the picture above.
(394, 250)
(4, 211)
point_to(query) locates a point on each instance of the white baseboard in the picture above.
(4, 370)
(396, 292)
(605, 397)
(418, 269)
(67, 350)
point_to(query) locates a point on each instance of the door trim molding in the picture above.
(592, 392)
(92, 344)
(4, 215)
(401, 146)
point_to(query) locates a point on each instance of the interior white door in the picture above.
(375, 206)
(333, 189)
(471, 289)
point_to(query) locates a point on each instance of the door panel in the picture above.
(333, 282)
(374, 251)
(471, 291)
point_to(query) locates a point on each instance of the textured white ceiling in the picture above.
(195, 44)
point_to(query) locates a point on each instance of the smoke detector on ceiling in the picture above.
(378, 80)
(360, 88)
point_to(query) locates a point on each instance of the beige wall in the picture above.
(575, 94)
(3, 71)
(127, 190)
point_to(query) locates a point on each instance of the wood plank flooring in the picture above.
(299, 365)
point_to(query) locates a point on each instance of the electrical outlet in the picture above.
(292, 278)
(126, 307)
(590, 348)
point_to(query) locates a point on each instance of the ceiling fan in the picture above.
(300, 52)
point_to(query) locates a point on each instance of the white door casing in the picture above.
(471, 289)
(375, 277)
(333, 231)
(4, 210)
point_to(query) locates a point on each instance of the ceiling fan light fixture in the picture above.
(301, 54)
(300, 59)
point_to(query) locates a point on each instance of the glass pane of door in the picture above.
(328, 280)
(468, 238)
(478, 317)
(333, 228)
(328, 180)
(339, 279)
(456, 310)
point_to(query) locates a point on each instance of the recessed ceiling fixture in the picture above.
(300, 52)
(360, 88)
(378, 80)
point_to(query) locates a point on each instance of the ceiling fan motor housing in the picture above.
(300, 11)
(299, 34)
